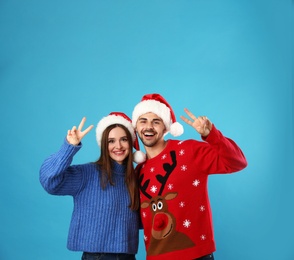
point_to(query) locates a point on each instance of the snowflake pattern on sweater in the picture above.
(175, 208)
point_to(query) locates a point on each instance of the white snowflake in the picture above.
(202, 237)
(184, 168)
(180, 142)
(145, 238)
(182, 204)
(202, 208)
(153, 189)
(196, 183)
(170, 186)
(152, 169)
(144, 214)
(182, 152)
(163, 156)
(187, 223)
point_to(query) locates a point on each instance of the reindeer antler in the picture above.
(144, 187)
(161, 179)
(168, 169)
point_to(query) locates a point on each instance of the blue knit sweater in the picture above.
(101, 219)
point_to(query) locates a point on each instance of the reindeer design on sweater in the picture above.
(164, 236)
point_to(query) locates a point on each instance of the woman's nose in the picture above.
(118, 144)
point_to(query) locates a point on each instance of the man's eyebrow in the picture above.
(154, 119)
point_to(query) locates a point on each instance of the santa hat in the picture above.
(156, 104)
(122, 119)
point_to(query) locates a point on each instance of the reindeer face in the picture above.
(163, 222)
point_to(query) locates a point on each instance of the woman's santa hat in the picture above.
(156, 104)
(122, 119)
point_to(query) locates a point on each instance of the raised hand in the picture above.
(75, 135)
(201, 124)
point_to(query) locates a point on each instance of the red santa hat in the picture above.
(156, 104)
(122, 119)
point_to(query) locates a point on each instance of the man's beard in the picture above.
(148, 143)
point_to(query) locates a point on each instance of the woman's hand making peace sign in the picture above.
(75, 135)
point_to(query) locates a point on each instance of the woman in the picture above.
(105, 220)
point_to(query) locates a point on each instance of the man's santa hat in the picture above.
(122, 119)
(156, 104)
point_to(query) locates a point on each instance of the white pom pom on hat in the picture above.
(156, 104)
(123, 119)
(139, 156)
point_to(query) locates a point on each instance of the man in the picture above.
(175, 208)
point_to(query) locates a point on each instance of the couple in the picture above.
(166, 192)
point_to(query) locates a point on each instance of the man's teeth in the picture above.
(148, 134)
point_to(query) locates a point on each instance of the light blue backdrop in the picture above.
(229, 60)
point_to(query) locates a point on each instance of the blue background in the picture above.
(229, 60)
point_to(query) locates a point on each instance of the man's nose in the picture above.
(149, 125)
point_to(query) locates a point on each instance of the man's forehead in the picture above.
(150, 116)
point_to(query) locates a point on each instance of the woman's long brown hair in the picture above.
(104, 162)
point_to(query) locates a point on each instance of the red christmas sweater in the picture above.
(175, 208)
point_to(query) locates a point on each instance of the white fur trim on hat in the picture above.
(155, 107)
(110, 120)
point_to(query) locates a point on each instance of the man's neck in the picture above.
(156, 149)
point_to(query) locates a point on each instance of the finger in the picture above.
(202, 118)
(205, 120)
(190, 114)
(81, 125)
(186, 120)
(71, 132)
(88, 129)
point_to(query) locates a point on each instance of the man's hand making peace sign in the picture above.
(201, 124)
